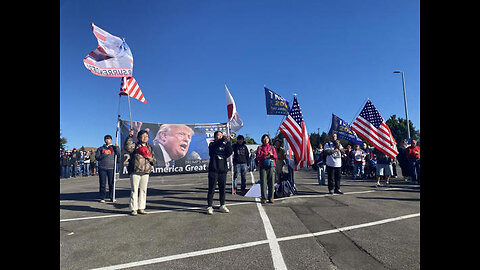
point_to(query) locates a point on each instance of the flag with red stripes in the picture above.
(130, 87)
(295, 131)
(371, 126)
(111, 58)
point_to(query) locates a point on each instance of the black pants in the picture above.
(213, 178)
(103, 175)
(334, 173)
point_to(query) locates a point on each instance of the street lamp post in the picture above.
(405, 101)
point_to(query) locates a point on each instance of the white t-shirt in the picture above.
(335, 159)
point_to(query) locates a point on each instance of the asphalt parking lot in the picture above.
(364, 228)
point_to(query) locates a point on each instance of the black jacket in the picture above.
(219, 151)
(240, 154)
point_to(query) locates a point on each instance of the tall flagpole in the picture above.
(115, 177)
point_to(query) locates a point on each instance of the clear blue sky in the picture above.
(333, 54)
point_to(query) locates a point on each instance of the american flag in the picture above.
(130, 87)
(294, 130)
(371, 126)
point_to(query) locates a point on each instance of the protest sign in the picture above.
(178, 148)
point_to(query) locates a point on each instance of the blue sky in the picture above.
(333, 54)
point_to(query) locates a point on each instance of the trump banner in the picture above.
(178, 148)
(275, 103)
(343, 130)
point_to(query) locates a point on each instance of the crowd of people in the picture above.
(331, 159)
(75, 163)
(365, 162)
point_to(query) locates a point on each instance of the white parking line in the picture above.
(278, 262)
(251, 244)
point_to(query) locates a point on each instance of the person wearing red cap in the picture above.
(413, 156)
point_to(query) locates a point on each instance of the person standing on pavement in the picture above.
(219, 150)
(320, 161)
(384, 167)
(413, 156)
(105, 155)
(358, 162)
(334, 149)
(241, 159)
(141, 161)
(266, 156)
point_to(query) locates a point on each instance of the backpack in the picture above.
(284, 189)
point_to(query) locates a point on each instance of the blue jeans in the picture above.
(358, 169)
(65, 171)
(242, 169)
(102, 175)
(321, 174)
(414, 169)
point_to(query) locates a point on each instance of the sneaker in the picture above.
(339, 192)
(330, 191)
(133, 213)
(264, 202)
(378, 185)
(102, 201)
(142, 211)
(210, 210)
(224, 209)
(271, 201)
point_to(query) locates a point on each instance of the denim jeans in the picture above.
(242, 169)
(102, 175)
(414, 169)
(358, 169)
(321, 174)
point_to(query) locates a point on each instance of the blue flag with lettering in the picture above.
(343, 130)
(275, 103)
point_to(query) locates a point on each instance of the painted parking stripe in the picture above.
(255, 243)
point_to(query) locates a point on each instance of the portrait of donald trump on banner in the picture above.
(171, 144)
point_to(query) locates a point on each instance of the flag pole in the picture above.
(130, 111)
(230, 159)
(115, 177)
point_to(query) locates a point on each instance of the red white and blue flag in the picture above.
(111, 58)
(295, 131)
(130, 87)
(371, 126)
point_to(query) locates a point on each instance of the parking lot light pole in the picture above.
(405, 101)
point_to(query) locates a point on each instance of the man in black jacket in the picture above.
(241, 157)
(219, 150)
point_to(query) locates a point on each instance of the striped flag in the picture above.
(130, 87)
(371, 126)
(111, 58)
(295, 131)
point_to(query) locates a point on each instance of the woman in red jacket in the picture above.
(266, 156)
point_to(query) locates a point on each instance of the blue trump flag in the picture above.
(343, 130)
(275, 103)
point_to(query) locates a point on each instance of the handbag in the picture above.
(268, 163)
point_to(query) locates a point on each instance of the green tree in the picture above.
(398, 126)
(63, 141)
